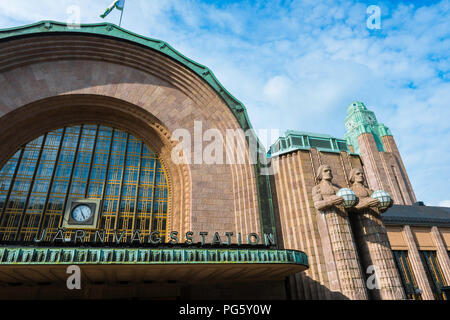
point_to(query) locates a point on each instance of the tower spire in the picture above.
(360, 120)
(374, 142)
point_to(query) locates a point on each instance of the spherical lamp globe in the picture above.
(349, 196)
(383, 197)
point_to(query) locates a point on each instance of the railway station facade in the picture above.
(100, 169)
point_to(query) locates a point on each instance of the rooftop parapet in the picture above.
(299, 140)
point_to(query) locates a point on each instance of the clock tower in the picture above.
(360, 120)
(376, 146)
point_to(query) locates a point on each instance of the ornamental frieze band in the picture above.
(10, 255)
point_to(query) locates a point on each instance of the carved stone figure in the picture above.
(324, 194)
(357, 180)
(343, 266)
(372, 239)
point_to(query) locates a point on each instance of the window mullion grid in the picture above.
(136, 198)
(401, 265)
(116, 222)
(436, 266)
(105, 182)
(152, 211)
(88, 181)
(437, 272)
(11, 185)
(68, 174)
(30, 190)
(405, 270)
(410, 272)
(52, 179)
(429, 271)
(69, 185)
(91, 162)
(428, 257)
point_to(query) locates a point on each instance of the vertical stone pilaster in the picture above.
(398, 192)
(416, 263)
(391, 146)
(299, 229)
(371, 160)
(327, 248)
(312, 225)
(343, 264)
(442, 255)
(375, 250)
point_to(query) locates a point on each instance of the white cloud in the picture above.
(445, 203)
(277, 88)
(299, 65)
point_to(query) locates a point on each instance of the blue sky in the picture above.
(299, 64)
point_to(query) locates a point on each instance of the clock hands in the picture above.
(82, 213)
(86, 213)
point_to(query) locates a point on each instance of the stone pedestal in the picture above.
(340, 252)
(376, 256)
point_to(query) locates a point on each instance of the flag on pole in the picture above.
(118, 4)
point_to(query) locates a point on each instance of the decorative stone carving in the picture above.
(324, 194)
(373, 243)
(25, 256)
(343, 267)
(357, 180)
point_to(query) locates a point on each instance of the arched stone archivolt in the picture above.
(35, 119)
(49, 81)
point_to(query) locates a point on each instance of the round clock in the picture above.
(81, 213)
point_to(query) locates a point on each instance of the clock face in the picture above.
(81, 213)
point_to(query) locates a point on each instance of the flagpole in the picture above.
(120, 22)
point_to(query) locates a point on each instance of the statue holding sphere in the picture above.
(335, 231)
(378, 200)
(371, 236)
(326, 194)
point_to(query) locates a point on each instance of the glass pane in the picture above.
(434, 273)
(406, 274)
(317, 143)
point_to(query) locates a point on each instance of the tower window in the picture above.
(316, 143)
(406, 274)
(434, 273)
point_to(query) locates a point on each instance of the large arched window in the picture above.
(76, 162)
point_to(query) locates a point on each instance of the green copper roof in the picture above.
(148, 256)
(356, 105)
(299, 140)
(360, 120)
(236, 107)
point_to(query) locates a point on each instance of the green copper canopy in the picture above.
(360, 120)
(10, 255)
